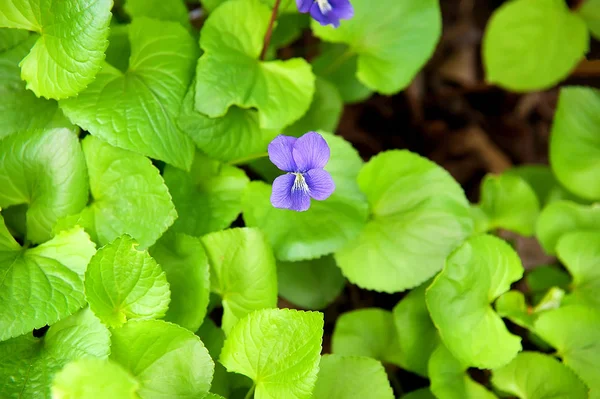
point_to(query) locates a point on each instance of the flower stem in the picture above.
(270, 30)
(250, 392)
(249, 158)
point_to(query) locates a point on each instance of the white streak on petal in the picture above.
(324, 6)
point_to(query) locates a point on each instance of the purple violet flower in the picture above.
(303, 159)
(327, 12)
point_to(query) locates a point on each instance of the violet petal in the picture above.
(310, 152)
(331, 15)
(320, 184)
(304, 5)
(281, 196)
(342, 8)
(300, 199)
(324, 18)
(280, 153)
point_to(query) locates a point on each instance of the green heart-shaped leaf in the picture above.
(41, 285)
(120, 180)
(417, 335)
(532, 45)
(21, 110)
(575, 333)
(69, 52)
(123, 283)
(507, 202)
(575, 142)
(392, 40)
(367, 332)
(233, 136)
(311, 284)
(562, 217)
(324, 113)
(94, 378)
(459, 301)
(242, 272)
(541, 179)
(207, 198)
(28, 364)
(533, 375)
(46, 171)
(229, 72)
(186, 265)
(164, 10)
(449, 378)
(349, 377)
(579, 252)
(279, 349)
(338, 65)
(167, 360)
(419, 214)
(137, 109)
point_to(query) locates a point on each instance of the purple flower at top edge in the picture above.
(327, 12)
(303, 159)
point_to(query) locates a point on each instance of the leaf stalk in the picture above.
(250, 393)
(270, 30)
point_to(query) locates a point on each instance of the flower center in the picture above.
(324, 6)
(299, 182)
